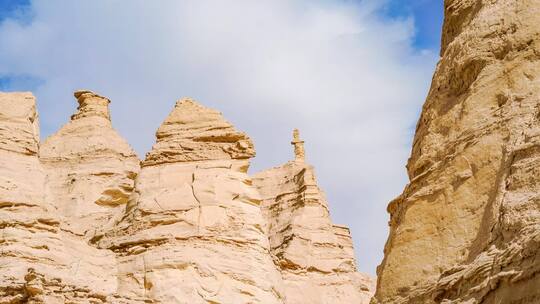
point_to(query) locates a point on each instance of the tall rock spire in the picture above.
(299, 152)
(91, 169)
(39, 261)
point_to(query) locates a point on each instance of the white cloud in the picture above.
(347, 77)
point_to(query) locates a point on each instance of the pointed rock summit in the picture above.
(299, 152)
(19, 131)
(192, 132)
(195, 219)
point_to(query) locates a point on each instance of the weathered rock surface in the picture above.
(195, 133)
(39, 263)
(90, 169)
(81, 222)
(193, 231)
(315, 257)
(467, 227)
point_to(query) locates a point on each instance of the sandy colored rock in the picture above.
(467, 227)
(193, 231)
(315, 257)
(81, 222)
(90, 169)
(196, 133)
(39, 263)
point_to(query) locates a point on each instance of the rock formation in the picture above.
(83, 222)
(315, 257)
(90, 168)
(467, 227)
(39, 261)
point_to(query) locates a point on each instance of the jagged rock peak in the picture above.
(193, 132)
(91, 104)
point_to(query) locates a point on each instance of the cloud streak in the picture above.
(346, 76)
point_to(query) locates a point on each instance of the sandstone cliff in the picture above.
(83, 221)
(467, 227)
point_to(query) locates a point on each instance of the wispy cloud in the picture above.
(347, 77)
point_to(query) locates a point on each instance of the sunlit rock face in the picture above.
(83, 221)
(467, 227)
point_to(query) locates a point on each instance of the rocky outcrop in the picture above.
(467, 227)
(315, 257)
(82, 222)
(90, 169)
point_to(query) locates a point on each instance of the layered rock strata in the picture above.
(81, 222)
(467, 227)
(195, 133)
(315, 257)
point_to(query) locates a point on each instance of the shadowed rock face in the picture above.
(467, 227)
(82, 222)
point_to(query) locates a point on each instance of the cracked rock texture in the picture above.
(83, 221)
(467, 227)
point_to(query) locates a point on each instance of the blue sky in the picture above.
(351, 75)
(8, 7)
(428, 18)
(427, 14)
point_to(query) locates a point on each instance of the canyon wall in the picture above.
(84, 221)
(467, 227)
